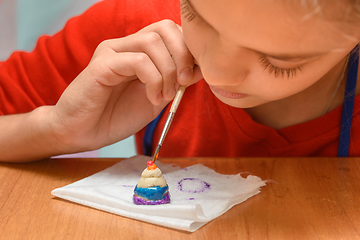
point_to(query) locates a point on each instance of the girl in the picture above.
(267, 78)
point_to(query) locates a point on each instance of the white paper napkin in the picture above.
(198, 194)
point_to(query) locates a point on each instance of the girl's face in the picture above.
(254, 51)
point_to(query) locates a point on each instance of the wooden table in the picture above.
(306, 198)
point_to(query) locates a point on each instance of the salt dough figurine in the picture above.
(152, 188)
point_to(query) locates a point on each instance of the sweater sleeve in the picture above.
(32, 79)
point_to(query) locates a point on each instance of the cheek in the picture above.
(194, 43)
(273, 89)
(320, 73)
(278, 89)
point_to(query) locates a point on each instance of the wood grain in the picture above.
(305, 198)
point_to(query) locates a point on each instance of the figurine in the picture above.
(152, 188)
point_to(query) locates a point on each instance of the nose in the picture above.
(223, 64)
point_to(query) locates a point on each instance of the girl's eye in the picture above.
(186, 11)
(277, 71)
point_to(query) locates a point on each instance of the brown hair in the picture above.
(344, 13)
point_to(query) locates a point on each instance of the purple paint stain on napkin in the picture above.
(193, 185)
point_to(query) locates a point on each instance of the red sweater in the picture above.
(203, 126)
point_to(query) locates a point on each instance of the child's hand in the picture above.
(125, 86)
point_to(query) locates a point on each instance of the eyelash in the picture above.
(289, 72)
(185, 10)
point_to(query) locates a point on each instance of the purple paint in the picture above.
(142, 201)
(193, 185)
(191, 198)
(128, 186)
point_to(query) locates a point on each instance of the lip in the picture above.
(227, 94)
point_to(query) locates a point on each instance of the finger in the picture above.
(158, 52)
(121, 67)
(173, 38)
(152, 45)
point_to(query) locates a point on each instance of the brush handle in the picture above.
(174, 106)
(177, 99)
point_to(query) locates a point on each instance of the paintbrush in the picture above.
(174, 106)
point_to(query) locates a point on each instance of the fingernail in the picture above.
(186, 75)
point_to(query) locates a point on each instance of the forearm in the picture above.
(28, 137)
